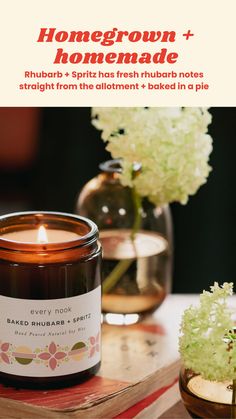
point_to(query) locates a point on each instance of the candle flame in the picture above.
(42, 235)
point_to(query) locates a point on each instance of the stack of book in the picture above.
(138, 378)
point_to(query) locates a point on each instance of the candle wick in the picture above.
(42, 235)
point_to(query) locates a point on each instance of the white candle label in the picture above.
(47, 338)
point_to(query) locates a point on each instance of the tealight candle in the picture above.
(50, 299)
(211, 390)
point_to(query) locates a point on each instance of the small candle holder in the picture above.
(50, 300)
(206, 399)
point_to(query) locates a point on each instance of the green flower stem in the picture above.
(111, 280)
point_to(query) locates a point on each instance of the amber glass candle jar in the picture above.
(50, 299)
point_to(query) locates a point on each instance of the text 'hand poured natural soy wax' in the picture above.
(50, 299)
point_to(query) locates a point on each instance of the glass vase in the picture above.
(137, 267)
(206, 399)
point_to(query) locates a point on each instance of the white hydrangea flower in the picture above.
(171, 144)
(207, 342)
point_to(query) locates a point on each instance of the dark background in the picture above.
(48, 154)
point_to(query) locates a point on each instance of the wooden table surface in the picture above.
(178, 411)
